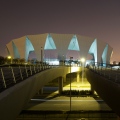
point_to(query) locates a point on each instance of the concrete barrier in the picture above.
(13, 100)
(108, 90)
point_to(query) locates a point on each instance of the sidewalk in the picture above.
(56, 102)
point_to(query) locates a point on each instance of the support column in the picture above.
(60, 83)
(64, 78)
(40, 92)
(78, 77)
(92, 90)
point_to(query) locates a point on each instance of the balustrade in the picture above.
(11, 75)
(106, 71)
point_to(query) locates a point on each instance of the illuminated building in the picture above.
(56, 47)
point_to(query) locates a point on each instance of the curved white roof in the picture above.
(62, 45)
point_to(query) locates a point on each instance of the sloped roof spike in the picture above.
(49, 44)
(74, 44)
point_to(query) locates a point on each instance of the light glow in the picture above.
(75, 69)
(82, 60)
(9, 57)
(53, 62)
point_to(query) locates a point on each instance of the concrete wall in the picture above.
(109, 91)
(15, 98)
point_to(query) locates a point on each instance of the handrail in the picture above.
(106, 71)
(13, 74)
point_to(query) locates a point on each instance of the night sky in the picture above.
(93, 18)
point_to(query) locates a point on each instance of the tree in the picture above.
(22, 60)
(2, 60)
(16, 60)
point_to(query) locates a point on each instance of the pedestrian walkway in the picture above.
(56, 102)
(55, 107)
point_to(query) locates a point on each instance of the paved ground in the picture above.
(55, 102)
(55, 107)
(81, 105)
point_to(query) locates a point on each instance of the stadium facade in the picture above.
(56, 47)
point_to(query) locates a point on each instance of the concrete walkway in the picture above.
(54, 107)
(55, 102)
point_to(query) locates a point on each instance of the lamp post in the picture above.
(41, 55)
(83, 61)
(70, 81)
(63, 60)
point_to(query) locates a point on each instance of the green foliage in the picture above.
(2, 60)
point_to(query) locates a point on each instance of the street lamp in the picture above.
(70, 81)
(82, 60)
(10, 58)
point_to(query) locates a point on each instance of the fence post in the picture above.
(13, 75)
(104, 72)
(30, 70)
(3, 78)
(109, 74)
(40, 67)
(98, 69)
(20, 73)
(101, 70)
(37, 68)
(34, 68)
(45, 66)
(26, 71)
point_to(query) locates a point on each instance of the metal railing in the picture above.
(13, 74)
(108, 71)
